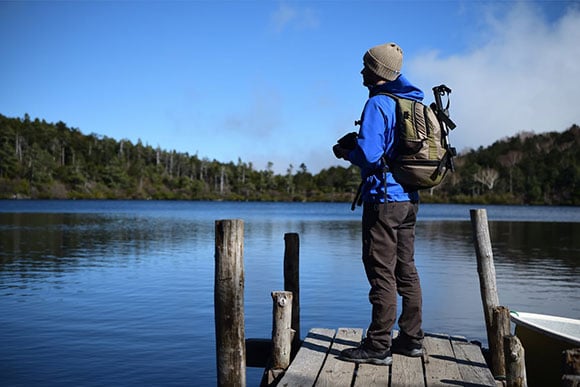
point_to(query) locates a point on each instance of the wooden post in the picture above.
(515, 362)
(487, 284)
(281, 329)
(571, 368)
(500, 327)
(292, 282)
(485, 266)
(229, 303)
(282, 335)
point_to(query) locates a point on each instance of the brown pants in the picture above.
(388, 257)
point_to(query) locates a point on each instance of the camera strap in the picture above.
(357, 201)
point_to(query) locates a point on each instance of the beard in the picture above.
(369, 80)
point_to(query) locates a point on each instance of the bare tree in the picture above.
(487, 177)
(222, 179)
(289, 182)
(510, 160)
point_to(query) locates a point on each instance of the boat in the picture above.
(544, 338)
(558, 328)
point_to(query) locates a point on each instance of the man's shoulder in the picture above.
(381, 99)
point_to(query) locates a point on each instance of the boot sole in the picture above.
(411, 353)
(384, 362)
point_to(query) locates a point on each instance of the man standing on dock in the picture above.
(389, 215)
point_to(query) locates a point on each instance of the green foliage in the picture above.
(45, 160)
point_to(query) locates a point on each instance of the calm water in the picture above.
(121, 293)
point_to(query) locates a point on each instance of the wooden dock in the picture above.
(448, 361)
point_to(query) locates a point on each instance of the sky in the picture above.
(279, 81)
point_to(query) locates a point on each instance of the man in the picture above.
(389, 215)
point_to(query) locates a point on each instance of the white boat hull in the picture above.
(544, 338)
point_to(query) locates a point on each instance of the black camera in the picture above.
(348, 141)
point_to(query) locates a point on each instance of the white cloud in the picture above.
(286, 16)
(524, 77)
(260, 118)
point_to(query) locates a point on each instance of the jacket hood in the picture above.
(401, 87)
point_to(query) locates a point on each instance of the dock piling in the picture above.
(488, 288)
(281, 329)
(515, 362)
(229, 303)
(571, 368)
(500, 327)
(292, 282)
(282, 335)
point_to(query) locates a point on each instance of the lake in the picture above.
(100, 293)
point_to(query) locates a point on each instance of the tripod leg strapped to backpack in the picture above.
(446, 123)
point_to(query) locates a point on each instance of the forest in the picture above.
(41, 160)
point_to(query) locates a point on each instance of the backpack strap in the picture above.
(397, 115)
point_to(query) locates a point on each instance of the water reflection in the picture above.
(65, 241)
(108, 289)
(525, 242)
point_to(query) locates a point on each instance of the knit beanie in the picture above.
(384, 60)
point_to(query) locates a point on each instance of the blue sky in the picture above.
(279, 81)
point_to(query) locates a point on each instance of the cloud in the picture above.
(285, 17)
(523, 76)
(260, 119)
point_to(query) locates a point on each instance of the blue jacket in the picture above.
(377, 137)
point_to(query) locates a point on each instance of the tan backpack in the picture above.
(423, 154)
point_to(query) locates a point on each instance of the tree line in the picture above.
(41, 160)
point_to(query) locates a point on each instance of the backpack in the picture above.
(422, 154)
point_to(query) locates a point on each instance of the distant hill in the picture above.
(52, 161)
(526, 169)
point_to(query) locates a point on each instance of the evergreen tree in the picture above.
(45, 160)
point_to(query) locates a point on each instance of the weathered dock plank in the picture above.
(335, 372)
(471, 363)
(448, 361)
(310, 358)
(440, 370)
(372, 375)
(406, 371)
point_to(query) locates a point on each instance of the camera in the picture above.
(348, 141)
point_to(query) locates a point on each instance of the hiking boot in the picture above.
(364, 353)
(404, 345)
